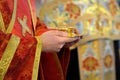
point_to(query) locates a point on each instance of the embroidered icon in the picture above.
(24, 25)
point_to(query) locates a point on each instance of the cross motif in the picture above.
(24, 25)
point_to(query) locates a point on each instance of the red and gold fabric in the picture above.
(20, 45)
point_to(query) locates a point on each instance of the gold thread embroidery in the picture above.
(11, 25)
(23, 23)
(37, 59)
(14, 41)
(8, 55)
(2, 26)
(38, 48)
(32, 14)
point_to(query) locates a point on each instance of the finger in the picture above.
(71, 43)
(61, 33)
(67, 39)
(60, 47)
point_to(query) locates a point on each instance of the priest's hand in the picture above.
(54, 40)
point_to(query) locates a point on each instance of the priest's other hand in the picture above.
(54, 40)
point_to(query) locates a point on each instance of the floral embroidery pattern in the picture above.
(108, 61)
(90, 63)
(73, 10)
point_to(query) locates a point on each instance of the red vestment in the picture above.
(53, 66)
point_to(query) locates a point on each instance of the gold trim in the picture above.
(37, 58)
(32, 14)
(11, 25)
(2, 26)
(8, 55)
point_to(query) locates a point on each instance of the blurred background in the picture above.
(96, 56)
